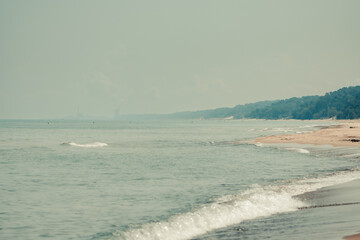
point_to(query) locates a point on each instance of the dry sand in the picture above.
(345, 134)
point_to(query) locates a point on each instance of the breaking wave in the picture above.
(258, 201)
(86, 145)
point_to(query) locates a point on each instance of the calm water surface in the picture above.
(159, 179)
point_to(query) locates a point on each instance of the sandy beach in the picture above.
(345, 133)
(342, 133)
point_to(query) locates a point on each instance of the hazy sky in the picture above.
(103, 57)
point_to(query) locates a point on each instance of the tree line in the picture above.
(341, 104)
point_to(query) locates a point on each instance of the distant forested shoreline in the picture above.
(341, 104)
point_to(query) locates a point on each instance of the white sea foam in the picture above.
(226, 211)
(86, 145)
(313, 184)
(283, 129)
(299, 150)
(352, 155)
(298, 129)
(233, 209)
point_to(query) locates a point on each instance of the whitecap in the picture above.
(86, 145)
(352, 155)
(299, 150)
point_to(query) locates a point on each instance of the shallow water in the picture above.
(158, 180)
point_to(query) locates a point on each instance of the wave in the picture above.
(87, 145)
(295, 129)
(228, 210)
(299, 150)
(356, 155)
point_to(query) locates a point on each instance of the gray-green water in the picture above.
(157, 180)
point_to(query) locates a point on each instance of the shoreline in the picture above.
(344, 134)
(340, 202)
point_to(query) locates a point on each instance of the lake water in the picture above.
(163, 180)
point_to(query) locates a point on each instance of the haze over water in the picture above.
(102, 59)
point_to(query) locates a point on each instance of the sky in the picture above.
(107, 58)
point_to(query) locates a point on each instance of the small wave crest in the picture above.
(356, 155)
(86, 145)
(299, 150)
(228, 210)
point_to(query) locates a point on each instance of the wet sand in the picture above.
(345, 134)
(343, 200)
